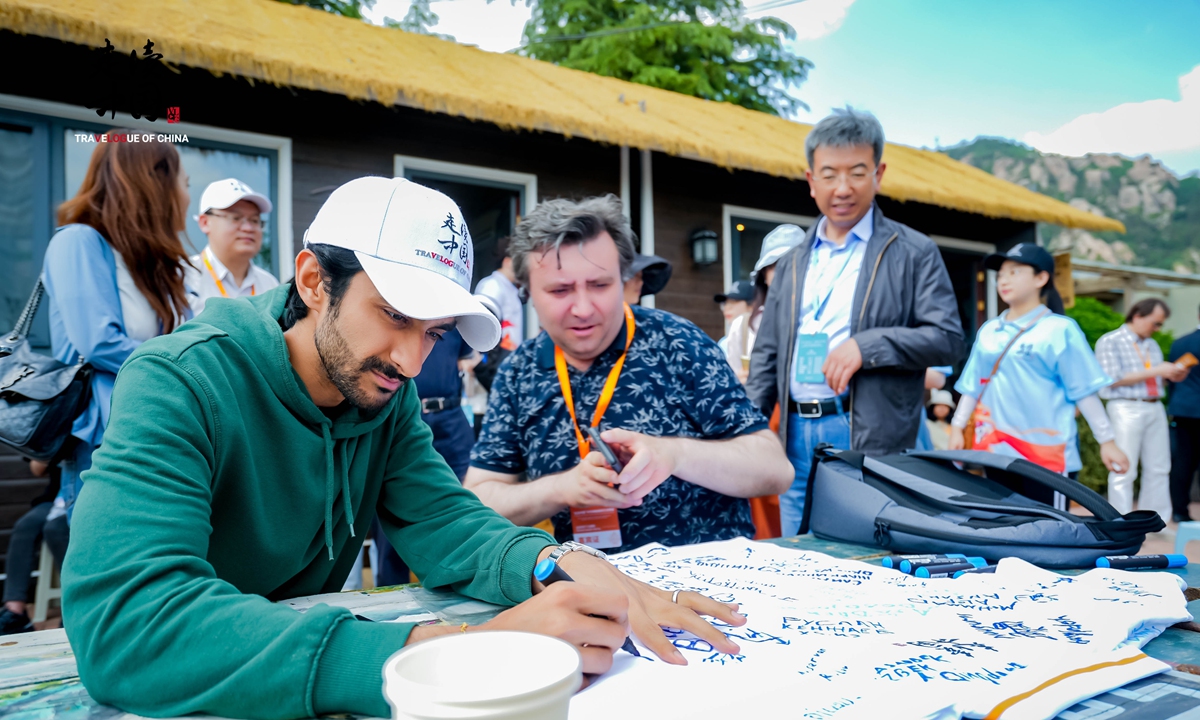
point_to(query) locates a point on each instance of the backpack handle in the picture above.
(1085, 496)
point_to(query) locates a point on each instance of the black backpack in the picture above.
(922, 502)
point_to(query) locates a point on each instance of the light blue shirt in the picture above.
(80, 275)
(829, 284)
(1028, 410)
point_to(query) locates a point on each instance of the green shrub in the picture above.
(1093, 475)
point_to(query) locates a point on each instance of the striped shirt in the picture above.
(1122, 352)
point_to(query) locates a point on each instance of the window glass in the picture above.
(16, 221)
(747, 237)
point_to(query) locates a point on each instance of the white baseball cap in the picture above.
(776, 244)
(224, 193)
(414, 246)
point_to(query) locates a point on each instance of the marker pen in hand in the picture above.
(548, 572)
(1142, 562)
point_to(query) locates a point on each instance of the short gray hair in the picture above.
(844, 128)
(558, 222)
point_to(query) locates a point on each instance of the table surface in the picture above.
(38, 678)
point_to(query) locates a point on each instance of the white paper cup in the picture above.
(490, 675)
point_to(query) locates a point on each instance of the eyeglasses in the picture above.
(255, 222)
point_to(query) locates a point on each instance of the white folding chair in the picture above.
(49, 585)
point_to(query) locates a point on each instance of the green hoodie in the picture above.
(221, 487)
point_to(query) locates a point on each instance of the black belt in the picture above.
(812, 409)
(437, 404)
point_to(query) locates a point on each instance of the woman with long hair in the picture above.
(114, 274)
(1028, 371)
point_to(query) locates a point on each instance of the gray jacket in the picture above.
(904, 318)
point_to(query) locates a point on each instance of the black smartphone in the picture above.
(609, 454)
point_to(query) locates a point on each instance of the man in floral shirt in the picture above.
(692, 446)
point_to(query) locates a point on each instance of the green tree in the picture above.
(703, 48)
(419, 19)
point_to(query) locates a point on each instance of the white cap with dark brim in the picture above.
(223, 194)
(414, 246)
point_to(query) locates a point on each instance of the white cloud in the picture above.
(1155, 126)
(497, 25)
(812, 19)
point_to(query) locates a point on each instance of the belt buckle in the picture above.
(809, 415)
(427, 405)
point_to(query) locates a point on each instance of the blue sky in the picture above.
(1069, 76)
(946, 70)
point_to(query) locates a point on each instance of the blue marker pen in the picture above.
(984, 569)
(910, 566)
(1142, 562)
(548, 572)
(893, 561)
(948, 569)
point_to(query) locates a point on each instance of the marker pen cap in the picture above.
(542, 570)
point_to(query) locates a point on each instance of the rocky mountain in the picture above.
(1161, 211)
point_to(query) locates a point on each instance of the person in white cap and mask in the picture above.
(246, 457)
(744, 328)
(231, 216)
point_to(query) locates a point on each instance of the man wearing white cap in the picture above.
(246, 457)
(231, 216)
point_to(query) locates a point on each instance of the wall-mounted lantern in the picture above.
(704, 247)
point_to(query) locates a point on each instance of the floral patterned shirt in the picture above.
(675, 383)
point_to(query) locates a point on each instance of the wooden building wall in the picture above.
(335, 139)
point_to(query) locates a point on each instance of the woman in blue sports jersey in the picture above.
(1025, 405)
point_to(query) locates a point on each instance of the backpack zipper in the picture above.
(938, 535)
(883, 536)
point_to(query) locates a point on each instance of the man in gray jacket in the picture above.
(855, 315)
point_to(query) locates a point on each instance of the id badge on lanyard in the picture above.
(811, 348)
(810, 358)
(598, 527)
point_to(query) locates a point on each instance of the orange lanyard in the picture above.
(1144, 356)
(1151, 383)
(610, 385)
(217, 280)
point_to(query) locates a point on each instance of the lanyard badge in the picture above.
(598, 526)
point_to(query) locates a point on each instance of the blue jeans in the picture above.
(803, 436)
(72, 467)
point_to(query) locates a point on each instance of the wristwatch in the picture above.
(571, 546)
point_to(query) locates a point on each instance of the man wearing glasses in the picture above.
(231, 217)
(855, 314)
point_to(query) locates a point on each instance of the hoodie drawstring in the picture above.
(346, 488)
(330, 493)
(328, 488)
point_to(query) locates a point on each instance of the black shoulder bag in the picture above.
(39, 396)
